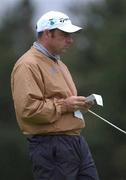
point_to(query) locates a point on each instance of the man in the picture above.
(47, 106)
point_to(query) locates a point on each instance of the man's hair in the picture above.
(39, 34)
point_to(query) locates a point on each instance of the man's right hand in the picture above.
(74, 103)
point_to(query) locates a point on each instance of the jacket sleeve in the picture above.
(28, 95)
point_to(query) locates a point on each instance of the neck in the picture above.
(44, 50)
(46, 45)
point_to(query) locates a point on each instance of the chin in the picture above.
(64, 50)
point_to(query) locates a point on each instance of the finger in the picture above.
(81, 98)
(89, 103)
(76, 107)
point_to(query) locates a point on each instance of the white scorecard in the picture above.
(95, 98)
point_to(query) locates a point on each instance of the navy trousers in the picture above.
(61, 157)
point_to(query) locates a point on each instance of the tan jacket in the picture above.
(39, 87)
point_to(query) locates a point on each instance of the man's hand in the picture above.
(74, 103)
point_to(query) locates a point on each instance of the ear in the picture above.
(47, 33)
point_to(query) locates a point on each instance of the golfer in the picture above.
(47, 106)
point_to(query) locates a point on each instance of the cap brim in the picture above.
(69, 28)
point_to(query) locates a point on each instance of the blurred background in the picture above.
(97, 62)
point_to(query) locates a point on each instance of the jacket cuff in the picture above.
(62, 105)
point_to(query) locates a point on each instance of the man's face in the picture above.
(60, 41)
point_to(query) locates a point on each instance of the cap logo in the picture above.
(51, 21)
(63, 19)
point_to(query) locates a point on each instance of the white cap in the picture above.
(55, 19)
